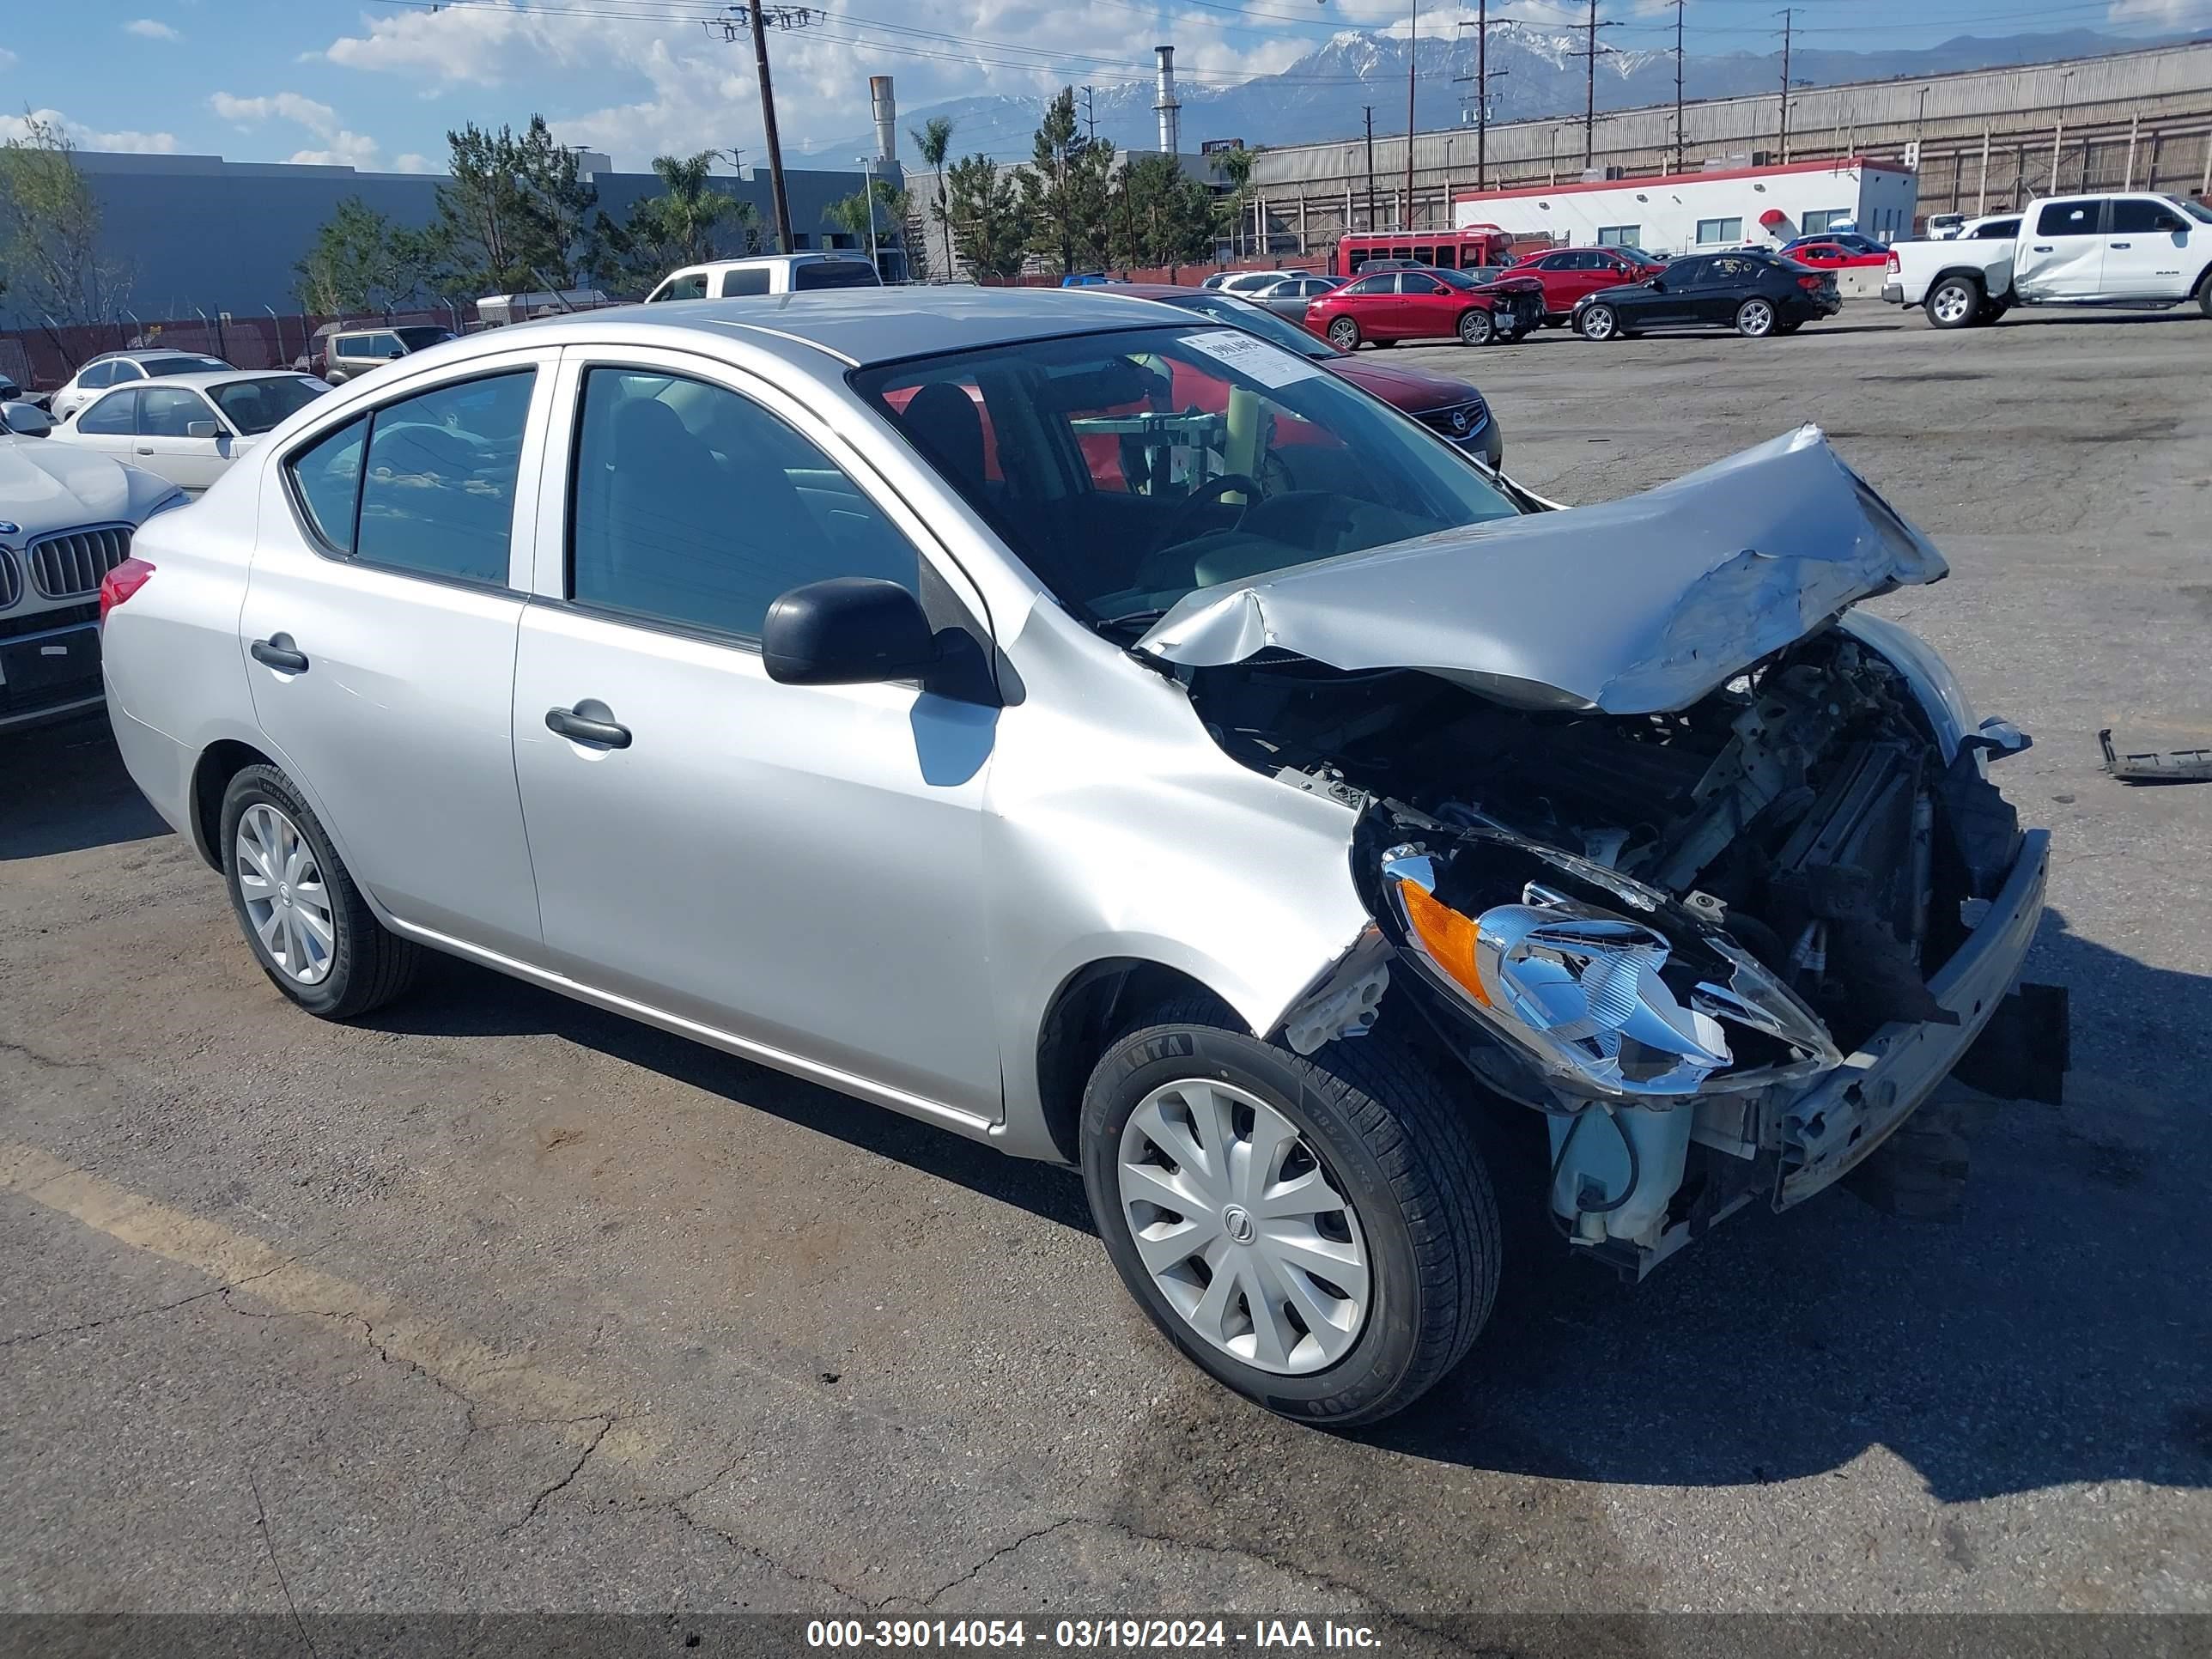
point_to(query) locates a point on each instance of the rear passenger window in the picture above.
(112, 415)
(692, 504)
(2068, 219)
(737, 284)
(166, 411)
(432, 489)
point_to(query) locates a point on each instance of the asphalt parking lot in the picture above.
(496, 1302)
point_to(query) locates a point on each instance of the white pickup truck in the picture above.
(2129, 250)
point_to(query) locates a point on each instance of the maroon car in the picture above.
(1451, 408)
(1570, 274)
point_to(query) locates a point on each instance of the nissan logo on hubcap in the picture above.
(1237, 1221)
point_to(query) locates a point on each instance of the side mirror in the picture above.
(202, 429)
(1656, 284)
(2168, 221)
(848, 630)
(25, 420)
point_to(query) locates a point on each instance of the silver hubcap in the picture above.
(1344, 338)
(286, 903)
(1475, 329)
(1951, 302)
(1758, 317)
(1240, 1229)
(1597, 324)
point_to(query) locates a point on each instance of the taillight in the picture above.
(1810, 284)
(1893, 266)
(120, 583)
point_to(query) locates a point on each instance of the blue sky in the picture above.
(376, 82)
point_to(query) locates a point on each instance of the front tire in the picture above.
(1599, 323)
(1955, 302)
(1316, 1232)
(1476, 328)
(304, 918)
(1754, 318)
(1344, 334)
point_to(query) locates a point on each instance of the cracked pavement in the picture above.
(496, 1302)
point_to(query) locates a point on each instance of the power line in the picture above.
(1482, 26)
(1678, 8)
(758, 19)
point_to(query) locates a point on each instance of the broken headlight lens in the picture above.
(1580, 992)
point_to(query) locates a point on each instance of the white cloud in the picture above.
(411, 162)
(339, 148)
(152, 29)
(7, 58)
(84, 137)
(2169, 13)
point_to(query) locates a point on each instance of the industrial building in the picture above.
(1979, 140)
(1721, 207)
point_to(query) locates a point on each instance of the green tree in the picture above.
(990, 229)
(518, 213)
(933, 141)
(50, 230)
(850, 213)
(362, 261)
(689, 223)
(1161, 215)
(1064, 189)
(1236, 168)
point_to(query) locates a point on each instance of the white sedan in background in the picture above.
(189, 427)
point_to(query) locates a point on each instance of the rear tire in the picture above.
(1344, 334)
(1408, 1210)
(1755, 318)
(303, 917)
(1955, 302)
(1599, 323)
(1476, 328)
(2204, 295)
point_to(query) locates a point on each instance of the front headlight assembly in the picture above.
(1647, 1010)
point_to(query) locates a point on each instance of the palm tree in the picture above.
(934, 140)
(689, 208)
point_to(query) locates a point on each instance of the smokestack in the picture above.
(1164, 104)
(886, 112)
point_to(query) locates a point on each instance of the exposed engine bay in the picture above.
(1674, 921)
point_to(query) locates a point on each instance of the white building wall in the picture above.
(1664, 214)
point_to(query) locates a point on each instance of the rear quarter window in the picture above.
(2068, 219)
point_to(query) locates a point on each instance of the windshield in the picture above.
(418, 337)
(2196, 210)
(254, 406)
(1128, 470)
(1254, 320)
(183, 365)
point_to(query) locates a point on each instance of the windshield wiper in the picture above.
(1135, 619)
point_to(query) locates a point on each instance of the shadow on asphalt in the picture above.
(62, 789)
(2058, 1335)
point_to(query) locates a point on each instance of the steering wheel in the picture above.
(1180, 528)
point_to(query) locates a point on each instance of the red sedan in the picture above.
(1836, 255)
(1570, 273)
(1391, 305)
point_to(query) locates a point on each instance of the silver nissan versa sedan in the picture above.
(1106, 734)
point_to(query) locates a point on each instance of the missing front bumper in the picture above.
(1838, 1124)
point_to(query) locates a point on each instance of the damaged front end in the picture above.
(1752, 913)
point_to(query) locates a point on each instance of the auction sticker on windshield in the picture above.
(1247, 353)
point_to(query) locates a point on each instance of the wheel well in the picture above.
(2202, 277)
(1980, 279)
(221, 763)
(1095, 1007)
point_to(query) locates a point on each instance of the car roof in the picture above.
(207, 377)
(145, 353)
(860, 327)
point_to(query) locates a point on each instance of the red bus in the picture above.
(1453, 250)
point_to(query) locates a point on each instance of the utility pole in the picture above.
(1413, 59)
(1089, 117)
(1591, 53)
(1789, 17)
(1370, 110)
(758, 19)
(1679, 163)
(1481, 26)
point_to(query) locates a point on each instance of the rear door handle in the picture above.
(2042, 247)
(279, 653)
(590, 721)
(2124, 245)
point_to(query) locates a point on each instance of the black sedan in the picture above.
(1749, 289)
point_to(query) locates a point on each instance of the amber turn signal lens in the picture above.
(1447, 936)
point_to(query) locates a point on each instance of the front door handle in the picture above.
(590, 721)
(279, 653)
(2042, 247)
(2117, 244)
(148, 449)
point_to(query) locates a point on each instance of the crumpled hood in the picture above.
(1629, 607)
(49, 483)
